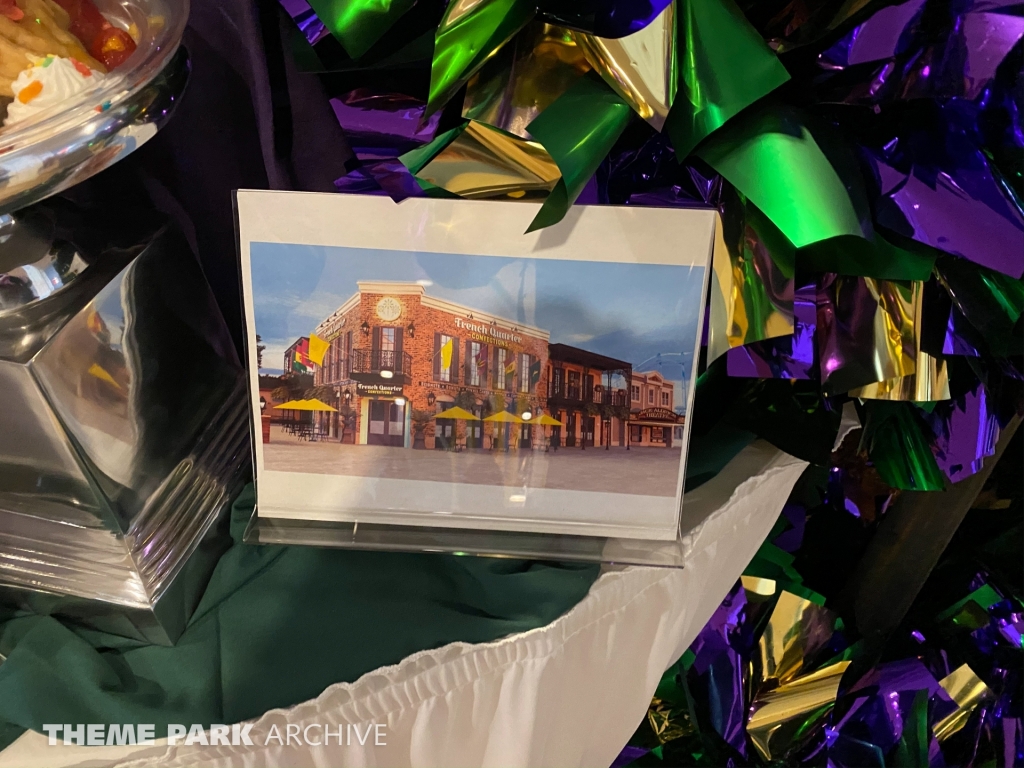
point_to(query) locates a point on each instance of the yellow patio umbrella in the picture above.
(547, 421)
(456, 413)
(505, 417)
(315, 405)
(291, 405)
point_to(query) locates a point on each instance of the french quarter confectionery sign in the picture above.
(377, 390)
(488, 333)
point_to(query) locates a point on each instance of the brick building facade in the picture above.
(652, 419)
(397, 357)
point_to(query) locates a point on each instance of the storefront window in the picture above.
(387, 339)
(656, 435)
(634, 392)
(650, 396)
(635, 433)
(557, 377)
(474, 363)
(445, 372)
(524, 373)
(574, 392)
(500, 373)
(664, 399)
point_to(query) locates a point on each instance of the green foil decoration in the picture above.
(877, 257)
(578, 130)
(724, 67)
(991, 301)
(470, 32)
(358, 24)
(899, 449)
(771, 157)
(416, 159)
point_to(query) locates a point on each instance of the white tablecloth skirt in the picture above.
(568, 694)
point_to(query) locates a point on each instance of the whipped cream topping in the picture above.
(47, 83)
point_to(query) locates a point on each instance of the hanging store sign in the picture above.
(378, 390)
(656, 414)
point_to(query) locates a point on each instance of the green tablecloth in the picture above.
(275, 627)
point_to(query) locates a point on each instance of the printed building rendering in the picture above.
(398, 367)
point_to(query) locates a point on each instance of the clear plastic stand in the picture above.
(425, 376)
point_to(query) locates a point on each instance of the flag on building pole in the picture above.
(510, 368)
(535, 372)
(317, 349)
(446, 354)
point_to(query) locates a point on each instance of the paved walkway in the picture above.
(645, 471)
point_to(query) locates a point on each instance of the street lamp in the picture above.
(263, 403)
(431, 398)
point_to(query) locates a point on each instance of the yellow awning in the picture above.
(505, 417)
(456, 413)
(314, 405)
(547, 421)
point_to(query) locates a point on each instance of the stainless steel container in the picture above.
(123, 423)
(123, 431)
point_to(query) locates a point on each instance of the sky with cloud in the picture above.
(632, 312)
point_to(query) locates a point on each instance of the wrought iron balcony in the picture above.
(379, 363)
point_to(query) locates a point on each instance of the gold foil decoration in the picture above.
(758, 586)
(665, 722)
(796, 630)
(640, 67)
(967, 690)
(485, 162)
(929, 380)
(788, 698)
(745, 309)
(866, 331)
(524, 77)
(780, 714)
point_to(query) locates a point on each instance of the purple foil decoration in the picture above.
(604, 18)
(952, 202)
(395, 179)
(791, 539)
(628, 755)
(720, 650)
(785, 357)
(383, 126)
(882, 700)
(306, 20)
(358, 182)
(958, 337)
(958, 62)
(966, 431)
(889, 32)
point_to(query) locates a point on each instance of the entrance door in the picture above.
(525, 436)
(570, 431)
(444, 434)
(588, 435)
(475, 430)
(387, 423)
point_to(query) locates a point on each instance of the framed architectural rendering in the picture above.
(427, 366)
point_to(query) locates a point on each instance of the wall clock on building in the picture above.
(388, 309)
